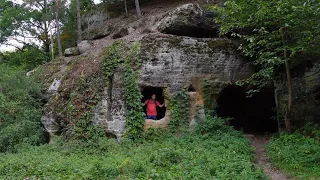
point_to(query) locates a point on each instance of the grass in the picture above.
(221, 155)
(297, 155)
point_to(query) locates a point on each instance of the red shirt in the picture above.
(152, 107)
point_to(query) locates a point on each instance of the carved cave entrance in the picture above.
(252, 115)
(158, 91)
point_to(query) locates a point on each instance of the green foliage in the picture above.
(20, 110)
(78, 113)
(11, 17)
(69, 21)
(268, 28)
(212, 125)
(179, 105)
(132, 95)
(83, 129)
(114, 57)
(311, 130)
(296, 154)
(208, 92)
(26, 59)
(191, 156)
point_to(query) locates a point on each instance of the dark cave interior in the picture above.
(252, 115)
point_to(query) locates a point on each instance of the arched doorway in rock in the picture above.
(158, 91)
(252, 115)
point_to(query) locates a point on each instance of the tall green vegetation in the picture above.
(276, 34)
(20, 110)
(297, 154)
(25, 59)
(179, 105)
(70, 30)
(30, 20)
(220, 154)
(132, 95)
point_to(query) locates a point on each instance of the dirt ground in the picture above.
(262, 160)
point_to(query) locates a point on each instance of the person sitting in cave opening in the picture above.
(152, 107)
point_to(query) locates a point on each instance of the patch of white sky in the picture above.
(4, 48)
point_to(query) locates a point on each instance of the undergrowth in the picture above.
(297, 154)
(221, 153)
(21, 100)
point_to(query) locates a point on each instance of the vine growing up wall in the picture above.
(115, 56)
(207, 96)
(132, 95)
(179, 105)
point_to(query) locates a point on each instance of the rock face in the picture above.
(54, 86)
(84, 46)
(306, 95)
(110, 113)
(95, 17)
(97, 32)
(175, 63)
(74, 51)
(121, 33)
(188, 20)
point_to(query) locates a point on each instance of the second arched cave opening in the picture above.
(252, 115)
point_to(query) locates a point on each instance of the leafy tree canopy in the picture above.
(269, 28)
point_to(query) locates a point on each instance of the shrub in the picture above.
(226, 155)
(212, 125)
(20, 110)
(296, 154)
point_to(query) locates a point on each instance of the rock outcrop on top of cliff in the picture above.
(189, 20)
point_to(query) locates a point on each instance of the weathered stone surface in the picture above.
(54, 86)
(188, 20)
(176, 62)
(84, 46)
(110, 113)
(306, 95)
(95, 17)
(29, 73)
(121, 33)
(162, 123)
(97, 32)
(50, 122)
(74, 51)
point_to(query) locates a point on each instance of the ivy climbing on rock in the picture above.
(179, 105)
(132, 95)
(116, 56)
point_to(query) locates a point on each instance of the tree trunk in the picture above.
(79, 21)
(276, 98)
(138, 8)
(52, 50)
(289, 107)
(125, 7)
(46, 40)
(58, 29)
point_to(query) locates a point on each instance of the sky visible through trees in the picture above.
(4, 48)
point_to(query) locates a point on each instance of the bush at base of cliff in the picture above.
(20, 110)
